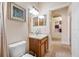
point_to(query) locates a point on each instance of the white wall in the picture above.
(17, 31)
(75, 29)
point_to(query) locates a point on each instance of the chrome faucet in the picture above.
(37, 31)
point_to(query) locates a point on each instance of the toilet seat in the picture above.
(27, 55)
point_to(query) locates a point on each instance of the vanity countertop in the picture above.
(38, 36)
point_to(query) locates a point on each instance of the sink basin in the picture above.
(38, 36)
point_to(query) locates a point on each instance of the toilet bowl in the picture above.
(18, 49)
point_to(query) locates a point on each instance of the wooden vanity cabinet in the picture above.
(38, 46)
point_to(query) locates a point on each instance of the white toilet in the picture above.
(19, 50)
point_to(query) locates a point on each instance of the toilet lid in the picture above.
(27, 55)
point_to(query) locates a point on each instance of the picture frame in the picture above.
(16, 12)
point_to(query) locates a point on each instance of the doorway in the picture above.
(56, 27)
(60, 32)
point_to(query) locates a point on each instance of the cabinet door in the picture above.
(46, 46)
(42, 50)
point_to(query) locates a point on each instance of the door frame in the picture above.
(50, 22)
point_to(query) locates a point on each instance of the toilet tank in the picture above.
(17, 49)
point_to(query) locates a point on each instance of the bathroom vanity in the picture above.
(38, 44)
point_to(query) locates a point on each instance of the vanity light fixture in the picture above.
(34, 11)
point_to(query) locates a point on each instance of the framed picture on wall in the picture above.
(58, 25)
(17, 12)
